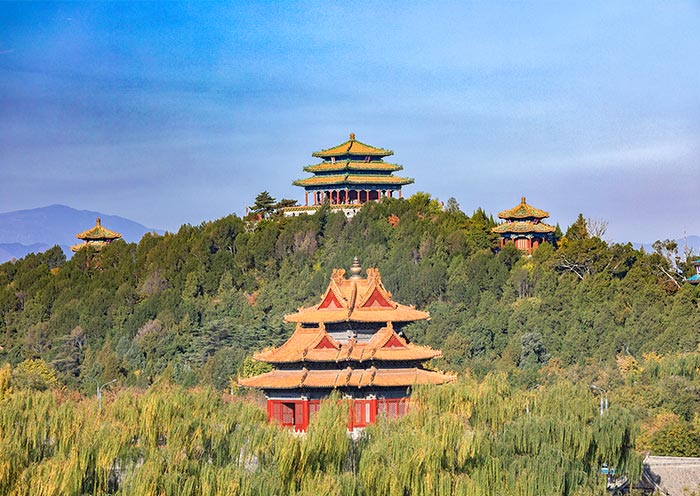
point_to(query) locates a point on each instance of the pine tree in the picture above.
(264, 204)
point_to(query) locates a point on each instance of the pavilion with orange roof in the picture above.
(95, 237)
(523, 226)
(353, 342)
(350, 175)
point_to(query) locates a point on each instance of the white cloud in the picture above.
(635, 156)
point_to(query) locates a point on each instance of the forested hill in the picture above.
(196, 303)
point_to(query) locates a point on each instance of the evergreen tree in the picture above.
(577, 231)
(264, 204)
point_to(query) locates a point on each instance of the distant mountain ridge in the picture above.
(691, 242)
(37, 229)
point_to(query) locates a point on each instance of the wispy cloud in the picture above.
(637, 155)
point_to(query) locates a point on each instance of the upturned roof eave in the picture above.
(523, 211)
(519, 227)
(353, 181)
(352, 165)
(299, 318)
(301, 379)
(346, 149)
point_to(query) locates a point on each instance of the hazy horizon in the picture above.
(179, 113)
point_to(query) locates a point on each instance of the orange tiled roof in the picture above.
(523, 227)
(315, 345)
(98, 233)
(342, 165)
(356, 299)
(353, 179)
(353, 147)
(523, 211)
(348, 377)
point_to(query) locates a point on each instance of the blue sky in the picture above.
(172, 113)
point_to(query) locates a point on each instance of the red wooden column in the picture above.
(400, 193)
(305, 407)
(306, 198)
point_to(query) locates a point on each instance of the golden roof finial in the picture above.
(522, 200)
(98, 222)
(352, 136)
(355, 269)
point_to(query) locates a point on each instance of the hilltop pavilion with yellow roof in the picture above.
(352, 342)
(349, 175)
(523, 226)
(95, 237)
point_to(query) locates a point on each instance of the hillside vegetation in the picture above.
(189, 308)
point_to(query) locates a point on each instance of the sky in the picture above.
(174, 113)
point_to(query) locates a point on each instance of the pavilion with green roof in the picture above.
(95, 237)
(349, 175)
(523, 226)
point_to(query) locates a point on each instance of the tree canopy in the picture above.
(193, 305)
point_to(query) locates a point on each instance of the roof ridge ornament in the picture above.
(352, 136)
(523, 200)
(355, 269)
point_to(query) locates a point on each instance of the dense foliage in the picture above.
(198, 301)
(190, 307)
(470, 438)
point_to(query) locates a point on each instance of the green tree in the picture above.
(264, 204)
(34, 374)
(533, 353)
(577, 231)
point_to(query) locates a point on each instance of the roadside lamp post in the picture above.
(603, 397)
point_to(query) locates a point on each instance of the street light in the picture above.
(603, 397)
(99, 392)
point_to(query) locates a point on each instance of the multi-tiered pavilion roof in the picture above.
(352, 341)
(523, 226)
(95, 237)
(349, 175)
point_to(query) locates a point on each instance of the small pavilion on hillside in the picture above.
(353, 342)
(95, 237)
(349, 175)
(523, 226)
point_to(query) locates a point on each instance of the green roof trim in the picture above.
(352, 147)
(524, 227)
(523, 211)
(352, 179)
(98, 233)
(352, 165)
